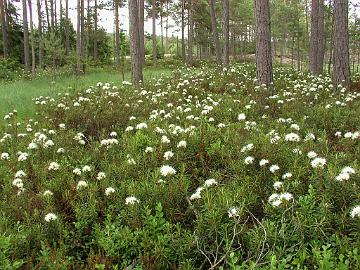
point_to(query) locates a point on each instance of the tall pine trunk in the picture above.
(317, 42)
(47, 16)
(41, 44)
(136, 61)
(26, 38)
(67, 34)
(341, 44)
(95, 31)
(78, 38)
(52, 16)
(183, 53)
(3, 29)
(32, 39)
(264, 71)
(83, 36)
(215, 32)
(141, 31)
(191, 32)
(117, 35)
(154, 51)
(226, 33)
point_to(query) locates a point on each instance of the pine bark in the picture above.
(264, 71)
(83, 36)
(141, 31)
(226, 33)
(3, 28)
(32, 40)
(47, 15)
(95, 31)
(154, 51)
(317, 37)
(341, 44)
(183, 53)
(26, 37)
(41, 44)
(117, 35)
(215, 32)
(191, 32)
(78, 38)
(52, 16)
(67, 34)
(136, 61)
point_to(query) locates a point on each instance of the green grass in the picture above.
(19, 94)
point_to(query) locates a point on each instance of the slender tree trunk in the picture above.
(191, 33)
(331, 18)
(41, 44)
(52, 16)
(67, 34)
(263, 43)
(78, 38)
(154, 52)
(141, 31)
(32, 39)
(117, 35)
(215, 32)
(83, 36)
(341, 44)
(183, 53)
(167, 26)
(226, 33)
(47, 16)
(95, 31)
(162, 25)
(88, 30)
(26, 37)
(317, 38)
(4, 29)
(136, 65)
(55, 16)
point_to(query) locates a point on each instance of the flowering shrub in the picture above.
(195, 170)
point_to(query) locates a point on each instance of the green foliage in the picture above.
(95, 192)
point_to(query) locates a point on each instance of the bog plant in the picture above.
(199, 170)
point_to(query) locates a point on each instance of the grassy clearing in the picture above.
(19, 94)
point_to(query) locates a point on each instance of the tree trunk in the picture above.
(226, 33)
(167, 26)
(41, 44)
(95, 31)
(141, 31)
(88, 30)
(317, 42)
(67, 34)
(117, 35)
(32, 39)
(154, 52)
(341, 44)
(78, 39)
(191, 33)
(26, 38)
(83, 36)
(136, 61)
(162, 25)
(331, 19)
(215, 32)
(183, 30)
(52, 14)
(264, 72)
(55, 16)
(47, 16)
(3, 28)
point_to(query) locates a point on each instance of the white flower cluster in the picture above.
(208, 183)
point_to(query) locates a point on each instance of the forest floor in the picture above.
(19, 94)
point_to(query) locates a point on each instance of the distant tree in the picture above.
(154, 42)
(191, 33)
(3, 28)
(67, 34)
(264, 71)
(341, 44)
(136, 61)
(141, 31)
(26, 37)
(117, 34)
(32, 39)
(226, 32)
(95, 31)
(215, 34)
(78, 39)
(40, 30)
